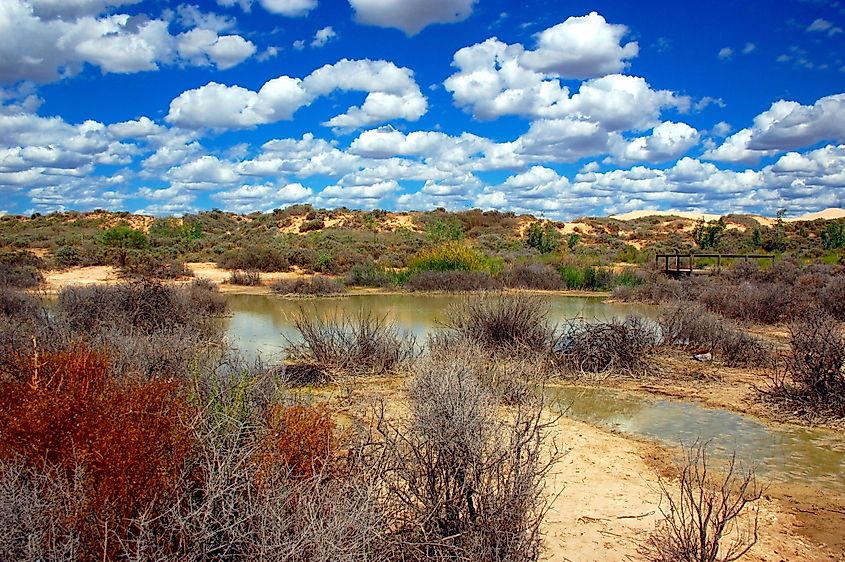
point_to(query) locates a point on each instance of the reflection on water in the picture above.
(260, 323)
(779, 453)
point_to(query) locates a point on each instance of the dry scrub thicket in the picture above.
(317, 285)
(710, 515)
(690, 326)
(249, 278)
(748, 293)
(811, 379)
(361, 344)
(508, 323)
(464, 477)
(612, 347)
(452, 281)
(117, 448)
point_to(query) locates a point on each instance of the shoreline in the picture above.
(56, 280)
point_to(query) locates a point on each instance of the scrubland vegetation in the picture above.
(229, 462)
(423, 251)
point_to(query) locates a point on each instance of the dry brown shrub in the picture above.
(300, 438)
(811, 379)
(511, 323)
(711, 516)
(358, 344)
(612, 347)
(464, 477)
(62, 413)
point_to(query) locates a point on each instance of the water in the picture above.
(260, 324)
(787, 454)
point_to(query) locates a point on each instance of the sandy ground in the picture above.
(605, 496)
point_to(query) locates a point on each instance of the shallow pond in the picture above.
(779, 453)
(263, 323)
(260, 324)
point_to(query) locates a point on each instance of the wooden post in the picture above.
(690, 264)
(719, 263)
(678, 263)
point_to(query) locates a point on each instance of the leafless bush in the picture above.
(607, 347)
(317, 285)
(511, 323)
(452, 281)
(17, 303)
(245, 278)
(513, 378)
(691, 326)
(464, 481)
(359, 344)
(231, 511)
(533, 276)
(33, 510)
(832, 296)
(140, 307)
(812, 376)
(766, 303)
(711, 516)
(147, 330)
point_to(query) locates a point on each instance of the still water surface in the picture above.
(260, 324)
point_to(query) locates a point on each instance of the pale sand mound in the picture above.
(650, 213)
(828, 214)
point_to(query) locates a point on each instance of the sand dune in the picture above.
(652, 213)
(828, 214)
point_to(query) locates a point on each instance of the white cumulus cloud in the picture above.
(391, 91)
(411, 16)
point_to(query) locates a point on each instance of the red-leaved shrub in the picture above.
(301, 439)
(62, 413)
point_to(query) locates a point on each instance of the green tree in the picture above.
(708, 234)
(833, 236)
(543, 237)
(120, 239)
(442, 231)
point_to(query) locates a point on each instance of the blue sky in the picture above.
(555, 108)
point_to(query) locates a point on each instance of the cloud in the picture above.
(289, 8)
(392, 93)
(191, 16)
(323, 36)
(749, 48)
(411, 16)
(495, 79)
(725, 53)
(73, 9)
(261, 197)
(667, 141)
(201, 47)
(581, 47)
(823, 26)
(786, 125)
(117, 43)
(362, 196)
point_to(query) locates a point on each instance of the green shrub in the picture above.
(67, 256)
(367, 275)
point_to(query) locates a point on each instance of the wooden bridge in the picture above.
(677, 265)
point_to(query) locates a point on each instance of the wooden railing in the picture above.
(689, 269)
